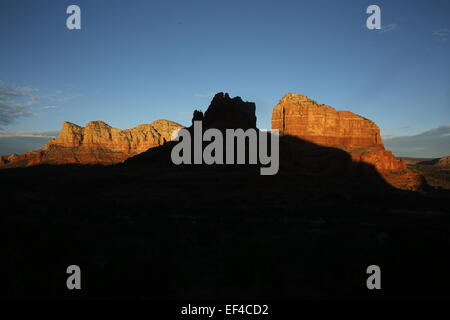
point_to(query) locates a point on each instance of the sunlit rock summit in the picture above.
(96, 143)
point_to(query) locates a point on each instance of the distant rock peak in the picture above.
(226, 112)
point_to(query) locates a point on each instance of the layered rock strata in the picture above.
(96, 143)
(298, 116)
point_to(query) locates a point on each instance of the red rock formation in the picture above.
(97, 143)
(298, 116)
(443, 162)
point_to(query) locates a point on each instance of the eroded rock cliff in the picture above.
(300, 117)
(96, 143)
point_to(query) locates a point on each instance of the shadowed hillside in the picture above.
(219, 232)
(436, 171)
(150, 229)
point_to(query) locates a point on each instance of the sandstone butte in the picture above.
(298, 116)
(96, 143)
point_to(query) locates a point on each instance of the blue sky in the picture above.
(135, 61)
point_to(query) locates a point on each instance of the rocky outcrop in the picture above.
(225, 112)
(96, 143)
(382, 159)
(298, 116)
(443, 162)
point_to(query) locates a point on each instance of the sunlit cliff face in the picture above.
(96, 143)
(298, 116)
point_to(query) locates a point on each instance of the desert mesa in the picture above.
(96, 143)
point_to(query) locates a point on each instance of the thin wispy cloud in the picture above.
(35, 134)
(433, 143)
(401, 128)
(390, 136)
(441, 131)
(14, 103)
(60, 96)
(442, 34)
(388, 27)
(400, 131)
